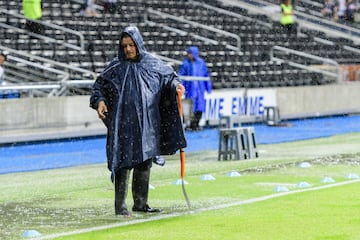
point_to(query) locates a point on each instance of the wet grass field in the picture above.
(61, 202)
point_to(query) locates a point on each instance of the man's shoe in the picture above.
(159, 160)
(147, 209)
(123, 212)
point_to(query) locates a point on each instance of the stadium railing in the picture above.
(66, 76)
(65, 31)
(334, 72)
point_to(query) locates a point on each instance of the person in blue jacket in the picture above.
(194, 66)
(136, 98)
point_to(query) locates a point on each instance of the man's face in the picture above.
(129, 47)
(190, 56)
(2, 59)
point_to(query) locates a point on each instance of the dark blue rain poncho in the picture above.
(195, 89)
(143, 119)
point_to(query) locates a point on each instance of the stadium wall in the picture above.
(317, 101)
(74, 111)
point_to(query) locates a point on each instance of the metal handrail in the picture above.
(83, 83)
(29, 88)
(65, 82)
(195, 24)
(65, 76)
(181, 32)
(47, 85)
(166, 59)
(229, 13)
(59, 86)
(46, 60)
(191, 78)
(39, 36)
(338, 75)
(51, 25)
(34, 86)
(314, 3)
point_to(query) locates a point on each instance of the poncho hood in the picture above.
(194, 51)
(134, 33)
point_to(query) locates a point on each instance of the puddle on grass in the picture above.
(343, 159)
(17, 217)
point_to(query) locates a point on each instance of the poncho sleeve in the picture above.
(172, 132)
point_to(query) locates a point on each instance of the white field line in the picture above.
(217, 207)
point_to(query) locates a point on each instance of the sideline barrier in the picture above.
(232, 144)
(251, 144)
(236, 142)
(230, 121)
(271, 116)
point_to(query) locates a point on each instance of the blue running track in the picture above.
(65, 153)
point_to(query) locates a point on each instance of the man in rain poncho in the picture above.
(135, 96)
(193, 65)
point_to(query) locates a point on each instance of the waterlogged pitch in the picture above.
(298, 190)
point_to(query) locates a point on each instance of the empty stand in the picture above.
(249, 67)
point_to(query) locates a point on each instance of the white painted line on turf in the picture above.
(217, 207)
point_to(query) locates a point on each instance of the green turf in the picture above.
(71, 199)
(323, 214)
